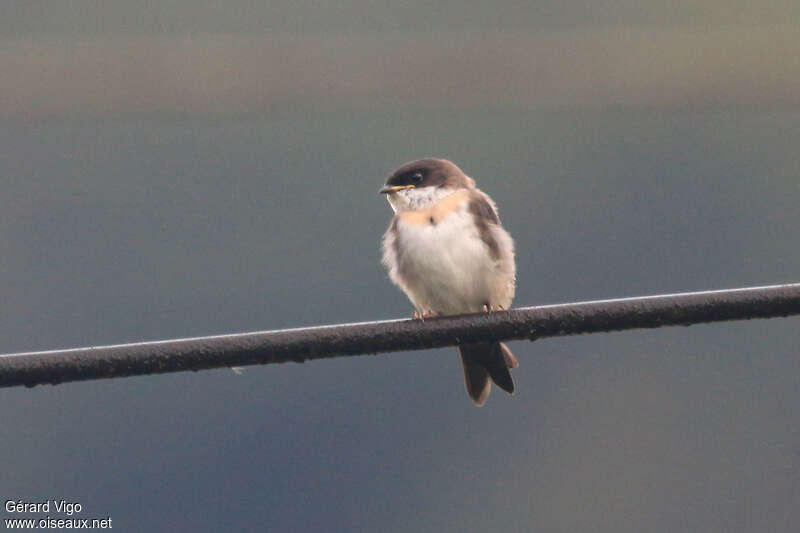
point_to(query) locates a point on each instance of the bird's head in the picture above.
(420, 184)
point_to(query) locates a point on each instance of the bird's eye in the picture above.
(416, 177)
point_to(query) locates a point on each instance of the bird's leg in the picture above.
(488, 308)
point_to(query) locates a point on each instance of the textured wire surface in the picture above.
(304, 344)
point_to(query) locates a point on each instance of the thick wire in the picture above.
(321, 342)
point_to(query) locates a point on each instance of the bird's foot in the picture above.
(487, 308)
(425, 314)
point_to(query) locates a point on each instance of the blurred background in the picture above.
(193, 168)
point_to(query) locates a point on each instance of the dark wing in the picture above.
(485, 217)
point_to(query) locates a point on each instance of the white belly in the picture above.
(445, 267)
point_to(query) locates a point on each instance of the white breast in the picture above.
(443, 267)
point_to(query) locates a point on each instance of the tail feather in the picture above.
(477, 380)
(482, 361)
(508, 357)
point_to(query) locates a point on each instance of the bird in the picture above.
(446, 249)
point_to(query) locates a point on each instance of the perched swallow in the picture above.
(445, 248)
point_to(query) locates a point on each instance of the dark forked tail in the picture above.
(483, 361)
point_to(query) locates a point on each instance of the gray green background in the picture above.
(193, 168)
